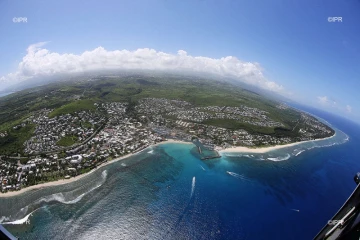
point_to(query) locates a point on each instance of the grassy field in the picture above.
(67, 141)
(233, 124)
(87, 125)
(76, 106)
(13, 143)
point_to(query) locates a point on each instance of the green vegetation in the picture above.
(45, 177)
(233, 125)
(87, 125)
(10, 124)
(79, 105)
(13, 142)
(85, 170)
(81, 94)
(67, 141)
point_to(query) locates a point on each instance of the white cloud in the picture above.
(348, 108)
(329, 103)
(323, 100)
(40, 62)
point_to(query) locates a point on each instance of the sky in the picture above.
(285, 46)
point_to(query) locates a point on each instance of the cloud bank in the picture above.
(40, 62)
(323, 100)
(327, 102)
(348, 108)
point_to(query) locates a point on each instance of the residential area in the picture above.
(71, 144)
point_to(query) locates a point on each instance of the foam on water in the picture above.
(20, 221)
(280, 158)
(299, 152)
(286, 153)
(59, 197)
(82, 195)
(56, 197)
(4, 218)
(139, 207)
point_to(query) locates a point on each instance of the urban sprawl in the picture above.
(71, 144)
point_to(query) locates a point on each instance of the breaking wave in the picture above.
(298, 153)
(4, 219)
(65, 198)
(239, 155)
(280, 158)
(20, 221)
(287, 152)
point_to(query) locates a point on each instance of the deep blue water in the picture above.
(165, 192)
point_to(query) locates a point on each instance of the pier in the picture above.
(204, 152)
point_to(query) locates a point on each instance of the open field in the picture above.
(67, 141)
(79, 105)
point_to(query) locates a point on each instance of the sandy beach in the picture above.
(266, 149)
(227, 150)
(65, 181)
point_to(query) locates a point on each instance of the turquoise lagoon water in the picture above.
(166, 192)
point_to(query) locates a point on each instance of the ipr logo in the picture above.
(334, 222)
(19, 19)
(334, 19)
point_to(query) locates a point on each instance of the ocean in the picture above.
(166, 192)
(2, 94)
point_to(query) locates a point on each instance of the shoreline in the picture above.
(73, 179)
(267, 149)
(167, 141)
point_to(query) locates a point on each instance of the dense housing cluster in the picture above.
(180, 118)
(50, 131)
(70, 144)
(185, 111)
(119, 136)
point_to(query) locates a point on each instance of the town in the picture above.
(68, 145)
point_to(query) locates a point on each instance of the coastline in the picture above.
(226, 150)
(267, 149)
(73, 179)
